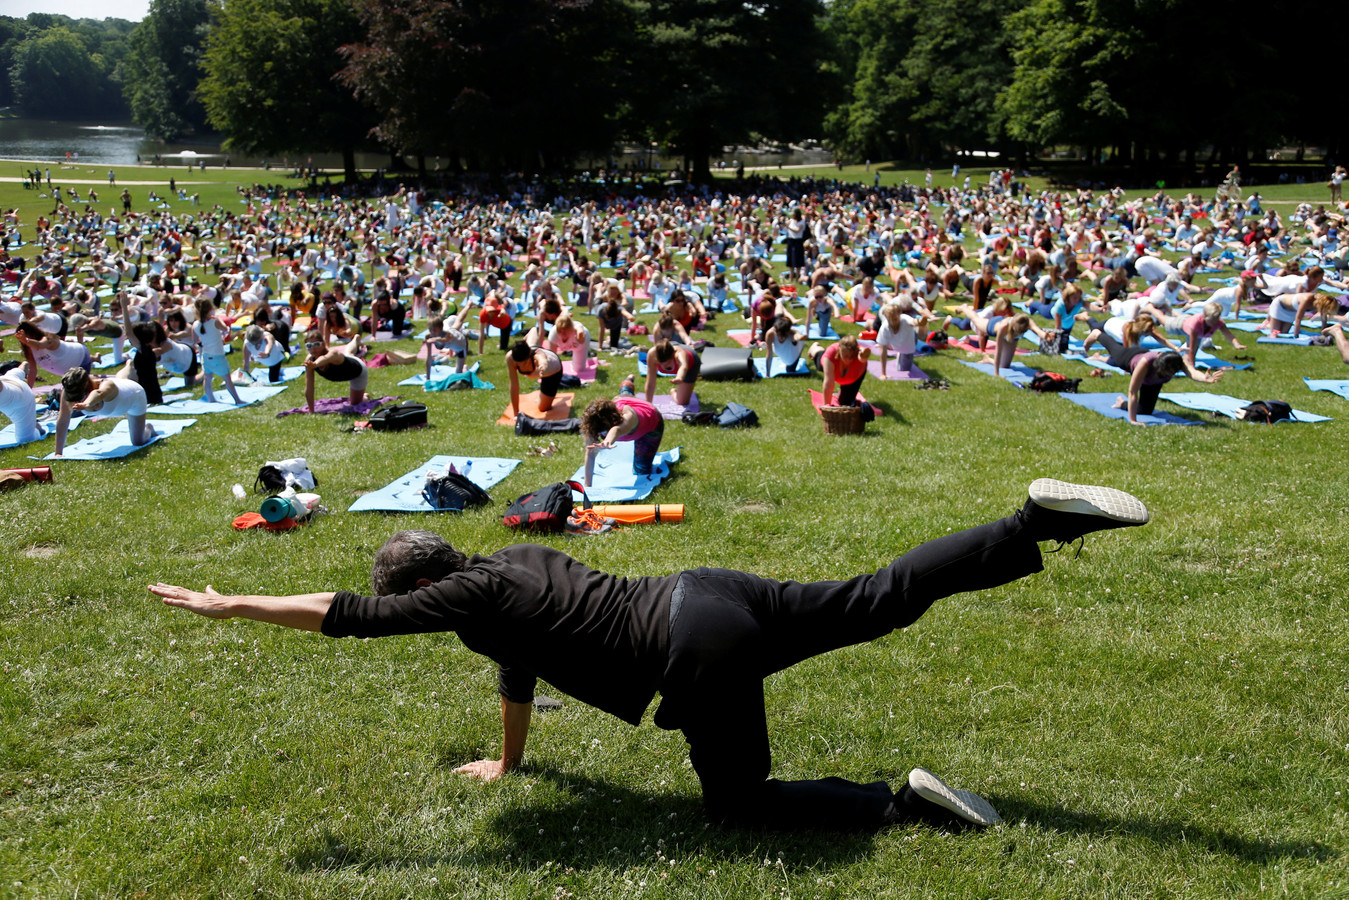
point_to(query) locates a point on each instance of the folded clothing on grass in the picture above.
(405, 494)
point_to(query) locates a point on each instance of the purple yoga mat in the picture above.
(338, 405)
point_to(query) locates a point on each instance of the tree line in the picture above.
(537, 84)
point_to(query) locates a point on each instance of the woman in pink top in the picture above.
(844, 365)
(624, 418)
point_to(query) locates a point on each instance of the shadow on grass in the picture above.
(1169, 832)
(618, 827)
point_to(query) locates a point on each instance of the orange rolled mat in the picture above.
(641, 513)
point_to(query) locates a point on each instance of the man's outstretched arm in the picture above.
(515, 728)
(302, 611)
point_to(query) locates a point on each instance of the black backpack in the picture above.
(1053, 382)
(453, 492)
(1267, 411)
(703, 416)
(737, 415)
(546, 509)
(398, 416)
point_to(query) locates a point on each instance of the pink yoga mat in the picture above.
(892, 372)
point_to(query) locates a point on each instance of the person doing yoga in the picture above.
(669, 358)
(624, 418)
(335, 364)
(704, 639)
(544, 366)
(1148, 371)
(106, 397)
(843, 365)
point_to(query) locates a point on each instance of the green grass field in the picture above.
(1163, 716)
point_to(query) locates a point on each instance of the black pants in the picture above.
(729, 630)
(145, 367)
(1121, 357)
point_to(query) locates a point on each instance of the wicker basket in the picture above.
(842, 419)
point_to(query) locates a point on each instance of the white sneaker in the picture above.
(968, 806)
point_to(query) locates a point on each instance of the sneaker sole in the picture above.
(1090, 500)
(968, 806)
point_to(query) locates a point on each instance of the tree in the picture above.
(54, 74)
(504, 82)
(724, 70)
(160, 73)
(270, 83)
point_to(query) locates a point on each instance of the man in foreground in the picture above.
(704, 638)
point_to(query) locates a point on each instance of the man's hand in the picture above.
(210, 603)
(486, 769)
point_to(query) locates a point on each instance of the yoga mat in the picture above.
(669, 409)
(437, 372)
(109, 361)
(615, 481)
(1102, 365)
(117, 443)
(650, 309)
(516, 328)
(1228, 406)
(742, 336)
(1303, 341)
(1244, 326)
(780, 368)
(813, 333)
(248, 393)
(260, 376)
(1019, 374)
(587, 374)
(966, 343)
(405, 494)
(817, 401)
(892, 372)
(641, 366)
(529, 405)
(338, 405)
(1334, 385)
(1103, 403)
(46, 429)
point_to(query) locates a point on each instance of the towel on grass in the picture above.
(339, 406)
(249, 394)
(669, 409)
(1301, 341)
(405, 494)
(615, 482)
(117, 443)
(1103, 403)
(780, 368)
(892, 372)
(817, 401)
(1019, 374)
(1334, 385)
(1226, 405)
(529, 405)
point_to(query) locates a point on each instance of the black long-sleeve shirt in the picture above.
(537, 613)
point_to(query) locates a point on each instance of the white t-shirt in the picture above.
(16, 402)
(1152, 270)
(212, 343)
(905, 340)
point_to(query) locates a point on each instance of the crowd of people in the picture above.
(908, 268)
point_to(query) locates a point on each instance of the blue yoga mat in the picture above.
(516, 328)
(1244, 326)
(1334, 385)
(437, 372)
(650, 309)
(117, 443)
(249, 394)
(1019, 374)
(1228, 406)
(288, 373)
(1078, 357)
(780, 368)
(1205, 360)
(1103, 403)
(109, 362)
(813, 333)
(1302, 341)
(641, 366)
(614, 479)
(47, 429)
(405, 494)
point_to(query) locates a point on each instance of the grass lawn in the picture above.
(1163, 716)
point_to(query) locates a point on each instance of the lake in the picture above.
(121, 143)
